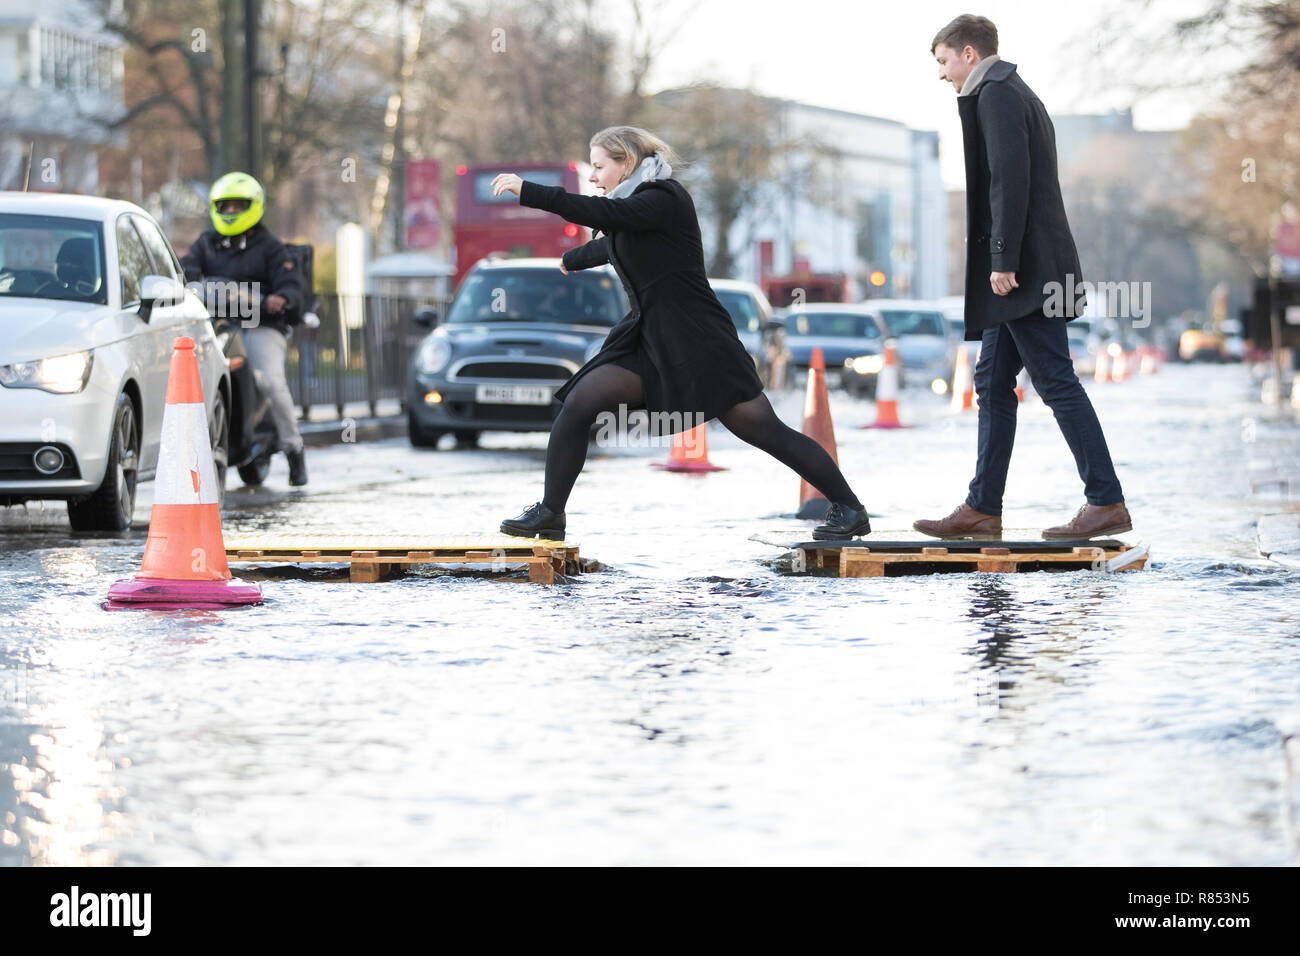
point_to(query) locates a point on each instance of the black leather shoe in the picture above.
(842, 522)
(297, 467)
(536, 521)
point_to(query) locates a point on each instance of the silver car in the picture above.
(748, 308)
(926, 348)
(763, 338)
(91, 301)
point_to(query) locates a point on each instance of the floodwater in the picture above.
(693, 703)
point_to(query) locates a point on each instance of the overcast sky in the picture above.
(872, 57)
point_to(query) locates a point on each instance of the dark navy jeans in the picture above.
(1038, 344)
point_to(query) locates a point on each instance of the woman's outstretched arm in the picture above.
(594, 253)
(646, 210)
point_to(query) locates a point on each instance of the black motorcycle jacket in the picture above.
(253, 256)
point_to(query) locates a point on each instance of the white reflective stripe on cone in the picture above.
(887, 382)
(186, 475)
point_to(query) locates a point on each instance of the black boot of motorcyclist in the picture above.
(297, 467)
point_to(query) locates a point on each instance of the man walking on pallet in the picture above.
(1018, 248)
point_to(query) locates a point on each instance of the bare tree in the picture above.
(176, 73)
(1244, 150)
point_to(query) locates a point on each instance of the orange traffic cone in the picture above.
(887, 391)
(963, 382)
(1148, 366)
(184, 562)
(817, 426)
(1119, 370)
(1102, 372)
(690, 452)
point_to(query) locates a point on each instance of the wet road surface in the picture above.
(693, 703)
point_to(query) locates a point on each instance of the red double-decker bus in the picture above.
(498, 224)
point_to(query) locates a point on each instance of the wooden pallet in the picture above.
(876, 559)
(373, 557)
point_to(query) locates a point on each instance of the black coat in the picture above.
(1015, 217)
(685, 341)
(252, 256)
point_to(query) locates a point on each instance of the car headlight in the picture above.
(63, 374)
(435, 352)
(868, 364)
(592, 349)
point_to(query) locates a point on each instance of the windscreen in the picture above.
(539, 295)
(848, 325)
(911, 322)
(49, 257)
(743, 309)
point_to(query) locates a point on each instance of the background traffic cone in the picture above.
(690, 452)
(1022, 384)
(887, 391)
(1119, 369)
(963, 382)
(1148, 366)
(817, 426)
(1102, 371)
(184, 562)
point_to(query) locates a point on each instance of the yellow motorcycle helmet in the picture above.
(236, 186)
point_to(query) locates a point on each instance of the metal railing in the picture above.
(359, 353)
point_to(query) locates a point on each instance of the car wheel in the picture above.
(420, 436)
(255, 472)
(219, 430)
(467, 439)
(111, 505)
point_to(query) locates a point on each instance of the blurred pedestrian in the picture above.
(677, 351)
(1018, 248)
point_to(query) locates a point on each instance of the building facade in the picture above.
(58, 81)
(852, 194)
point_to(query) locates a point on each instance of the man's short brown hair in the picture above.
(969, 30)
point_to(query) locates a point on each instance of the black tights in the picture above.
(606, 387)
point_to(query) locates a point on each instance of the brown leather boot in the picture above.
(1094, 521)
(964, 522)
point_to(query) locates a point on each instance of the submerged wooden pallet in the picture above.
(875, 559)
(372, 557)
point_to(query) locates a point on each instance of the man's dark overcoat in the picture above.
(1015, 217)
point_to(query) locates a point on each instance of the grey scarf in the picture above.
(977, 75)
(652, 167)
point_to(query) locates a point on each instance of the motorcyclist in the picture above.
(241, 248)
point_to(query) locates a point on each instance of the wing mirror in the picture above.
(159, 291)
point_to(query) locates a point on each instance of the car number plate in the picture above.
(514, 394)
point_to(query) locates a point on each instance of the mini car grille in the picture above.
(16, 462)
(537, 371)
(487, 412)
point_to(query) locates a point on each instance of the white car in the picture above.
(91, 300)
(749, 309)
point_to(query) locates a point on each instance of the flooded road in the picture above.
(693, 703)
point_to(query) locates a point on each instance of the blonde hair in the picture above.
(624, 142)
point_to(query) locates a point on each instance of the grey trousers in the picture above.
(266, 351)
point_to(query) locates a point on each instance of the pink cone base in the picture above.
(876, 425)
(690, 466)
(161, 594)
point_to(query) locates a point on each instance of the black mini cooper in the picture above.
(516, 331)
